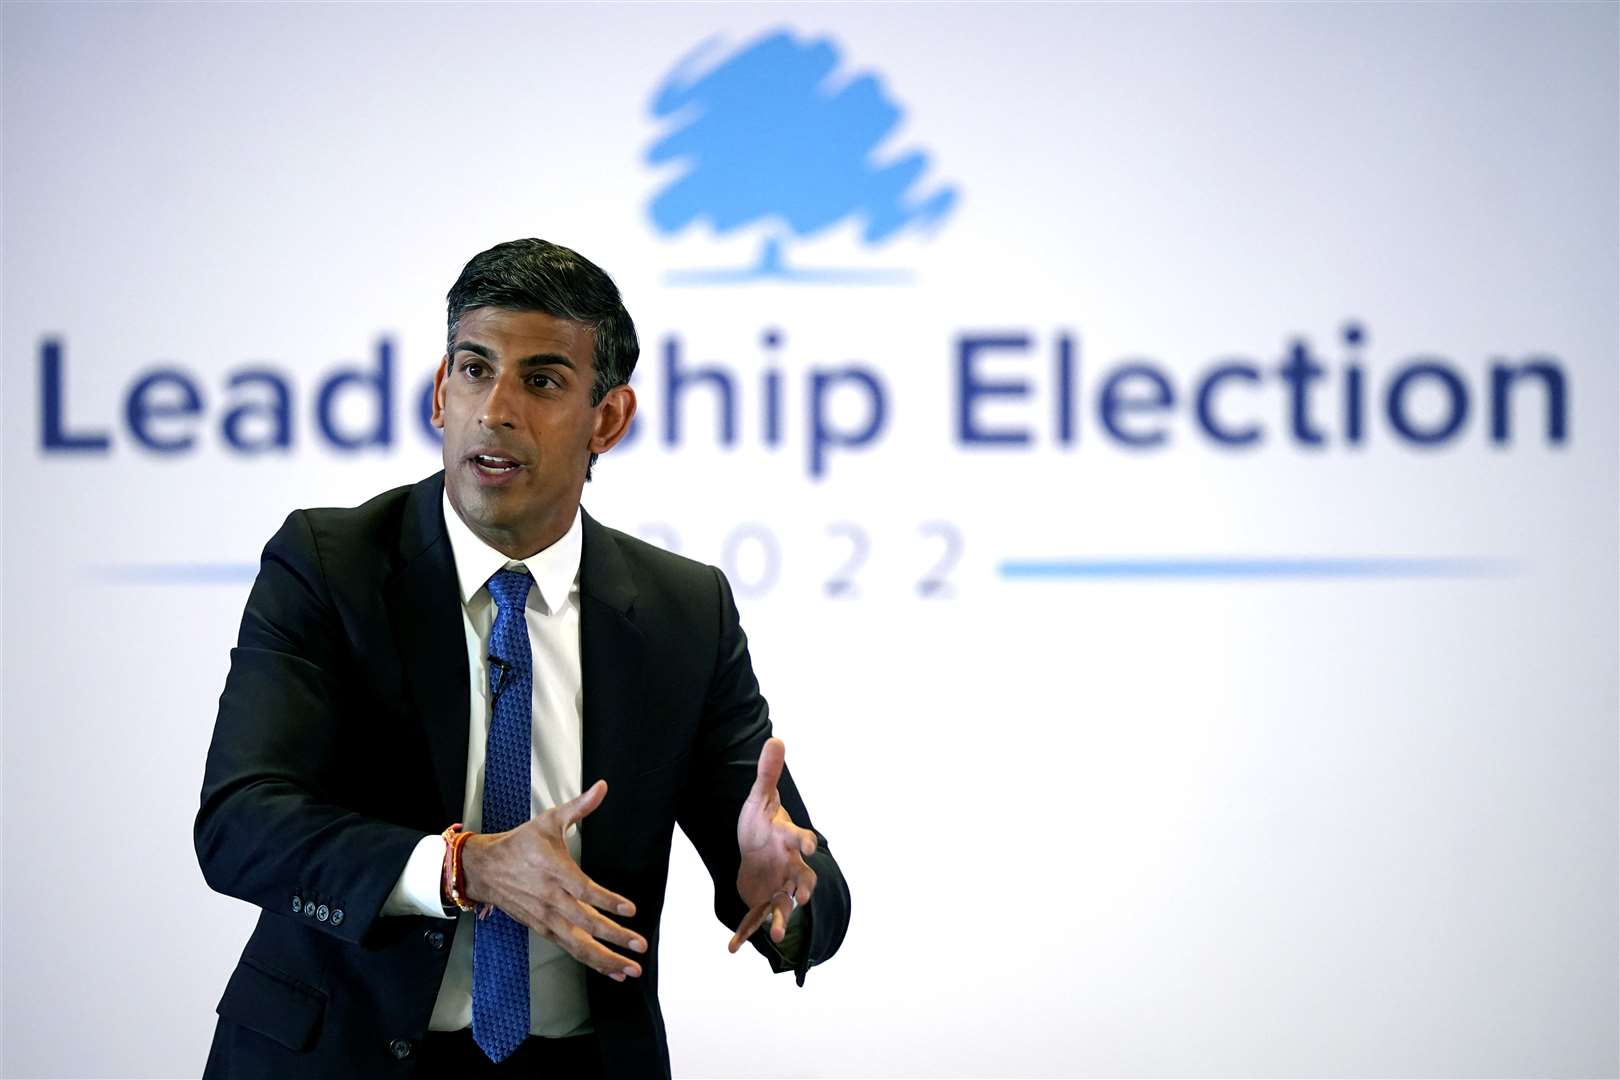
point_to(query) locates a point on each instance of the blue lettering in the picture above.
(1354, 337)
(1115, 402)
(847, 407)
(677, 380)
(1552, 378)
(1299, 371)
(53, 433)
(278, 412)
(773, 408)
(1455, 391)
(822, 435)
(969, 389)
(379, 382)
(1065, 390)
(140, 410)
(1206, 411)
(1352, 406)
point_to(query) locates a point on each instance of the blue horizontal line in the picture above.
(176, 573)
(1248, 568)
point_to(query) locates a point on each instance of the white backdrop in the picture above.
(1160, 817)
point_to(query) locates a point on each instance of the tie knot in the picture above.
(510, 588)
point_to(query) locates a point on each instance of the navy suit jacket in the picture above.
(341, 739)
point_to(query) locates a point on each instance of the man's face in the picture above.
(513, 397)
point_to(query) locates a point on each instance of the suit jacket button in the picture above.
(400, 1048)
(337, 916)
(435, 940)
(298, 905)
(309, 907)
(323, 913)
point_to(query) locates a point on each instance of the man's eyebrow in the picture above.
(537, 360)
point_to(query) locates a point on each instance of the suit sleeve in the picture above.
(735, 725)
(272, 826)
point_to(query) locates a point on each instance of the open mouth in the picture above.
(494, 466)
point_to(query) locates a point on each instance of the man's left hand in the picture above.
(773, 878)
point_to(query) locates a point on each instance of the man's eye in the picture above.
(543, 381)
(472, 369)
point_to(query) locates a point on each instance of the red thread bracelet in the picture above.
(454, 883)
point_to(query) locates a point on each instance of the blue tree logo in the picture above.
(766, 141)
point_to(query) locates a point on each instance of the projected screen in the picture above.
(1165, 458)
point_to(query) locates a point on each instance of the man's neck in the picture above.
(520, 543)
(520, 547)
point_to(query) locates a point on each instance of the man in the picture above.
(476, 650)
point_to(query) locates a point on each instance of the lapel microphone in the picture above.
(497, 671)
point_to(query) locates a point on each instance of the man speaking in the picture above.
(461, 723)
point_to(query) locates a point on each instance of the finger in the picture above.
(806, 885)
(600, 926)
(769, 771)
(798, 869)
(587, 950)
(794, 838)
(746, 928)
(583, 888)
(580, 806)
(781, 908)
(751, 922)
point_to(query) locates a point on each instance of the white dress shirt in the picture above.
(557, 996)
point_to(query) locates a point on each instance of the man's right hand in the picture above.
(528, 873)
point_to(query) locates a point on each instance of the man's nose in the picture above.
(499, 405)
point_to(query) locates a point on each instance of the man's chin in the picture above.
(519, 509)
(491, 507)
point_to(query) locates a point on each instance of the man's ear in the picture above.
(437, 419)
(613, 415)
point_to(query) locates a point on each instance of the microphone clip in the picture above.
(498, 670)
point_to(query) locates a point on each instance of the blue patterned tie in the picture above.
(501, 944)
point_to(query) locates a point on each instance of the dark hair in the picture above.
(536, 275)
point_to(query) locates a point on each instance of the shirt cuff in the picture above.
(417, 890)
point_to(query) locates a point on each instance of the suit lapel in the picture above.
(612, 652)
(424, 608)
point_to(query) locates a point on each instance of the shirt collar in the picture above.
(555, 570)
